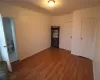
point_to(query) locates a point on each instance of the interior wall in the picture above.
(32, 29)
(62, 21)
(77, 17)
(97, 54)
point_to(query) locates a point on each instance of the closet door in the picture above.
(66, 36)
(87, 37)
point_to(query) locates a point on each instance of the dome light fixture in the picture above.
(51, 3)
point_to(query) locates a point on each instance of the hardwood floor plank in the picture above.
(53, 64)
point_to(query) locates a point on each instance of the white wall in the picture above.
(96, 63)
(63, 21)
(60, 20)
(32, 29)
(77, 17)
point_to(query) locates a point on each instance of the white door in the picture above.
(87, 37)
(10, 38)
(66, 36)
(3, 45)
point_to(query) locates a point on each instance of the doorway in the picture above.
(55, 36)
(10, 36)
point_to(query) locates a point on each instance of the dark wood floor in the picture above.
(53, 64)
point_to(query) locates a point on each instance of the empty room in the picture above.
(49, 39)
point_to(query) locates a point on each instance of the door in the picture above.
(3, 45)
(10, 38)
(87, 37)
(66, 36)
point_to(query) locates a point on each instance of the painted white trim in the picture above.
(6, 56)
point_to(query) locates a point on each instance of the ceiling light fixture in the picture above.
(51, 2)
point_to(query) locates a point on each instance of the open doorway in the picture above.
(10, 36)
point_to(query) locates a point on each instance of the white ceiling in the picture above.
(60, 7)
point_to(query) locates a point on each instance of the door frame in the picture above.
(52, 39)
(14, 37)
(5, 58)
(13, 34)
